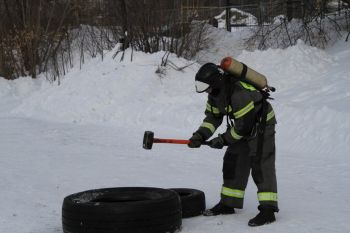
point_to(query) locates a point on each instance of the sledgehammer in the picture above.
(148, 140)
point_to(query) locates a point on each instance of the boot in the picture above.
(219, 209)
(265, 216)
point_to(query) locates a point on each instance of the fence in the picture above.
(261, 13)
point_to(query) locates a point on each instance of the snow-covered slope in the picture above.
(87, 133)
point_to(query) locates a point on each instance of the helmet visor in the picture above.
(201, 87)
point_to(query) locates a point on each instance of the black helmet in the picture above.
(209, 75)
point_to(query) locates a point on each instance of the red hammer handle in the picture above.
(168, 140)
(174, 141)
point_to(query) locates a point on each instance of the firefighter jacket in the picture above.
(242, 104)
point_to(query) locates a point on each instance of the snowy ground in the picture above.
(87, 133)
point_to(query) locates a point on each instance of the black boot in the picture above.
(219, 209)
(265, 216)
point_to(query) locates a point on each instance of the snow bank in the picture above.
(113, 92)
(292, 67)
(221, 44)
(311, 92)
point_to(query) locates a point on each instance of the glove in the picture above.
(195, 141)
(218, 142)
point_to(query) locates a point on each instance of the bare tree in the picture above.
(40, 36)
(314, 24)
(32, 36)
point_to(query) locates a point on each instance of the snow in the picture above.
(87, 134)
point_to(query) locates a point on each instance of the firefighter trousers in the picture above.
(240, 160)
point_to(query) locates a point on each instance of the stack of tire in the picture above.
(130, 210)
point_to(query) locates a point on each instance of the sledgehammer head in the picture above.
(148, 140)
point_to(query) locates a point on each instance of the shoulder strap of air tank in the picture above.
(244, 71)
(228, 89)
(261, 126)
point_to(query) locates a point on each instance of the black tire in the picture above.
(122, 210)
(192, 201)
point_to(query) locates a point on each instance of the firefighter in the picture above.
(250, 137)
